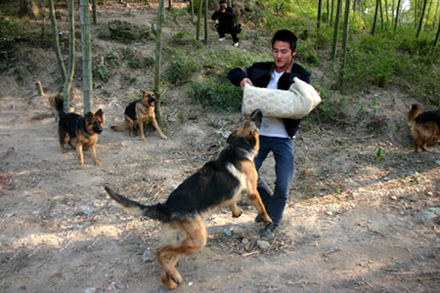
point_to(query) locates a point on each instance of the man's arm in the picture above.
(238, 77)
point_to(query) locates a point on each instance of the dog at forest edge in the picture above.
(221, 182)
(425, 126)
(74, 128)
(139, 113)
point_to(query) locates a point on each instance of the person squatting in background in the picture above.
(226, 22)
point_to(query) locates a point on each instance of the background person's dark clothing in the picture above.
(226, 22)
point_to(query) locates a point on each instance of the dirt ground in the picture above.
(356, 220)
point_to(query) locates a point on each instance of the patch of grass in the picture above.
(330, 108)
(218, 96)
(135, 59)
(180, 70)
(100, 75)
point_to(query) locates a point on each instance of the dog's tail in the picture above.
(120, 128)
(153, 212)
(57, 105)
(412, 114)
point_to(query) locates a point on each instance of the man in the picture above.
(276, 134)
(226, 21)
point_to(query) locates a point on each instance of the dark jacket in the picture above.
(226, 18)
(260, 74)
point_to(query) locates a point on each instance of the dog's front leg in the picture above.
(236, 212)
(94, 156)
(141, 123)
(79, 153)
(154, 122)
(256, 201)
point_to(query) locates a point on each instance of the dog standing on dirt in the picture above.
(425, 126)
(221, 182)
(81, 130)
(139, 113)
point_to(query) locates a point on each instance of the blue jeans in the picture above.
(275, 202)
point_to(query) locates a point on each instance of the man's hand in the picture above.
(245, 81)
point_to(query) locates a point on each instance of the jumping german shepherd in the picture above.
(425, 126)
(81, 130)
(219, 183)
(139, 113)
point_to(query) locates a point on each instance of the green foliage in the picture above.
(135, 59)
(112, 59)
(100, 75)
(218, 96)
(330, 108)
(45, 39)
(183, 37)
(379, 154)
(323, 37)
(11, 29)
(180, 70)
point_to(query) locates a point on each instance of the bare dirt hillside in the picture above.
(357, 220)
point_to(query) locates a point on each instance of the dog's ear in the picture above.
(257, 117)
(143, 92)
(252, 138)
(231, 137)
(89, 117)
(100, 113)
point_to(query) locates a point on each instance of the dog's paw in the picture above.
(164, 137)
(237, 214)
(169, 282)
(143, 138)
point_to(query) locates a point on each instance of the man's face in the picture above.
(282, 55)
(223, 6)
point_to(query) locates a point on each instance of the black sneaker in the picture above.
(268, 233)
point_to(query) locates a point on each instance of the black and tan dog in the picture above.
(83, 131)
(219, 183)
(139, 113)
(425, 126)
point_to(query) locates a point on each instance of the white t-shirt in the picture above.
(273, 127)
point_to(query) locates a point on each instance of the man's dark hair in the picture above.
(285, 36)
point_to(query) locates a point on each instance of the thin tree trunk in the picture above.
(56, 41)
(421, 18)
(160, 18)
(170, 4)
(335, 35)
(386, 10)
(94, 11)
(435, 16)
(328, 11)
(191, 6)
(206, 22)
(344, 41)
(86, 56)
(437, 35)
(427, 16)
(381, 13)
(397, 15)
(332, 12)
(375, 17)
(199, 19)
(319, 12)
(71, 67)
